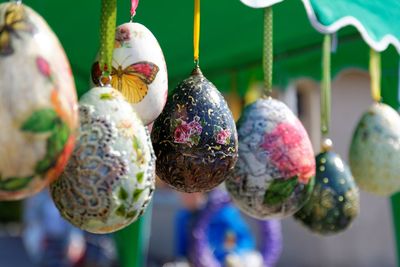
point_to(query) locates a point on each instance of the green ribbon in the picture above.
(268, 56)
(326, 86)
(108, 23)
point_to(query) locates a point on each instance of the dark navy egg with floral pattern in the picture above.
(334, 202)
(195, 138)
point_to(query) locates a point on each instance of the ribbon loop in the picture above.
(268, 57)
(196, 31)
(134, 5)
(375, 73)
(326, 86)
(108, 23)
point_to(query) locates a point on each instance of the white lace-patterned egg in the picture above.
(110, 177)
(139, 70)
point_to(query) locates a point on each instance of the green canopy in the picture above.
(231, 39)
(376, 20)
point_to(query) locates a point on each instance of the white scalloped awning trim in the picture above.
(380, 45)
(260, 3)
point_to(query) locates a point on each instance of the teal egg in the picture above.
(375, 151)
(334, 202)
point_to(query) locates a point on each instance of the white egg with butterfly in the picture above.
(138, 70)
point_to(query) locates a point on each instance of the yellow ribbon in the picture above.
(196, 30)
(375, 72)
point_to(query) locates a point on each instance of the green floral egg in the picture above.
(375, 151)
(110, 177)
(334, 202)
(274, 174)
(38, 105)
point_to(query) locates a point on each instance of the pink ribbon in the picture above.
(134, 5)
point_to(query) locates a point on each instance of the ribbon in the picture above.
(108, 23)
(134, 5)
(375, 73)
(196, 30)
(326, 86)
(268, 56)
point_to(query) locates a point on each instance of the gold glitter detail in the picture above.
(325, 180)
(322, 168)
(323, 160)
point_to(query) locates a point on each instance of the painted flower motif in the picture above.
(65, 114)
(290, 151)
(187, 133)
(43, 66)
(125, 127)
(195, 126)
(121, 36)
(324, 202)
(222, 136)
(351, 206)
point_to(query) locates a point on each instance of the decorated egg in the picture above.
(375, 151)
(110, 177)
(38, 106)
(334, 202)
(195, 138)
(138, 70)
(273, 176)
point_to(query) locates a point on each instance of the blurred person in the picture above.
(228, 235)
(49, 239)
(100, 251)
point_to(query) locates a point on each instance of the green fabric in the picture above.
(376, 17)
(132, 242)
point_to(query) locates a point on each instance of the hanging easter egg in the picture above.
(110, 177)
(260, 3)
(38, 114)
(195, 138)
(139, 71)
(334, 202)
(375, 151)
(273, 176)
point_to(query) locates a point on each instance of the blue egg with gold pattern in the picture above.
(195, 137)
(334, 202)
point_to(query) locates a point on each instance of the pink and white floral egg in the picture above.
(38, 104)
(274, 175)
(110, 177)
(138, 70)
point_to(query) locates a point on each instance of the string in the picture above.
(196, 31)
(268, 50)
(326, 86)
(375, 73)
(107, 36)
(134, 5)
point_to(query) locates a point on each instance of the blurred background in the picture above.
(32, 233)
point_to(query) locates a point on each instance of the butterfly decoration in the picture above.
(14, 21)
(132, 81)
